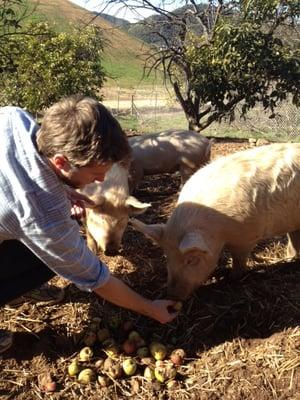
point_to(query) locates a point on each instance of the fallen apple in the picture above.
(85, 354)
(87, 375)
(103, 334)
(177, 356)
(129, 346)
(73, 368)
(149, 374)
(129, 366)
(158, 350)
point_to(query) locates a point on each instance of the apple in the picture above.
(85, 354)
(164, 373)
(90, 338)
(95, 324)
(134, 336)
(158, 350)
(177, 356)
(142, 352)
(176, 307)
(129, 366)
(127, 326)
(149, 374)
(112, 351)
(115, 371)
(50, 387)
(103, 380)
(87, 375)
(99, 364)
(129, 346)
(103, 334)
(108, 342)
(73, 368)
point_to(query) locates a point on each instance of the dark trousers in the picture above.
(20, 270)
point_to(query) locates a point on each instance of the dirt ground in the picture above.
(242, 338)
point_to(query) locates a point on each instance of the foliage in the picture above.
(48, 65)
(219, 54)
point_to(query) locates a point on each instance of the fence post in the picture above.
(118, 100)
(132, 105)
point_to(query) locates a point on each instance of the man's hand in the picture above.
(161, 311)
(79, 202)
(117, 292)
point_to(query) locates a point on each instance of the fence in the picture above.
(157, 109)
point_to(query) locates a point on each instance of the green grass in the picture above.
(177, 121)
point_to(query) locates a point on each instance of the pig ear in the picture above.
(154, 232)
(135, 206)
(99, 201)
(193, 241)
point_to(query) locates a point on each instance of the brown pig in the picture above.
(235, 201)
(168, 152)
(105, 222)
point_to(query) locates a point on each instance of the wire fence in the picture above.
(157, 109)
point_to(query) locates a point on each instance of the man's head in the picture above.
(81, 139)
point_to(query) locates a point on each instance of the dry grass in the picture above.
(242, 338)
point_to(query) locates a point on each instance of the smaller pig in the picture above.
(168, 152)
(105, 222)
(234, 201)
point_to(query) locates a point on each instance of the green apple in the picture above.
(73, 368)
(85, 354)
(87, 375)
(149, 374)
(129, 366)
(158, 350)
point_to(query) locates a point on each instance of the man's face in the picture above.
(78, 177)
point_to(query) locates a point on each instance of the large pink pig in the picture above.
(235, 201)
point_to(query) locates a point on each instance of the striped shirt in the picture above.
(34, 207)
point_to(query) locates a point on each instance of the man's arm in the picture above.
(117, 292)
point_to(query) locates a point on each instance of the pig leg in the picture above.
(239, 259)
(293, 247)
(185, 173)
(91, 242)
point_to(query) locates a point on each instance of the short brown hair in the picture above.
(84, 131)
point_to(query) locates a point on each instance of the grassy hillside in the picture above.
(122, 54)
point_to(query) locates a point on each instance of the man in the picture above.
(77, 143)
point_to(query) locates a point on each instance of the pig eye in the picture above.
(190, 261)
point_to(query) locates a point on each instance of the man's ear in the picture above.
(154, 232)
(61, 162)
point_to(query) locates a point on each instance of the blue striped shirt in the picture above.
(34, 207)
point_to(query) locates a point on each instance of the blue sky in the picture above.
(121, 12)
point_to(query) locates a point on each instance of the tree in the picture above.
(50, 65)
(219, 54)
(12, 15)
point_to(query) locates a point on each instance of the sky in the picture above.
(121, 12)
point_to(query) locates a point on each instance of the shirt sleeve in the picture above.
(54, 237)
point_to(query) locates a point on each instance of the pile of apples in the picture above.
(155, 361)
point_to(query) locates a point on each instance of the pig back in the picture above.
(255, 191)
(163, 152)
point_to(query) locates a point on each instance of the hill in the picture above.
(123, 54)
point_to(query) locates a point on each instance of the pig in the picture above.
(105, 222)
(235, 201)
(168, 152)
(156, 153)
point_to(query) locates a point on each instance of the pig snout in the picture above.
(178, 290)
(111, 249)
